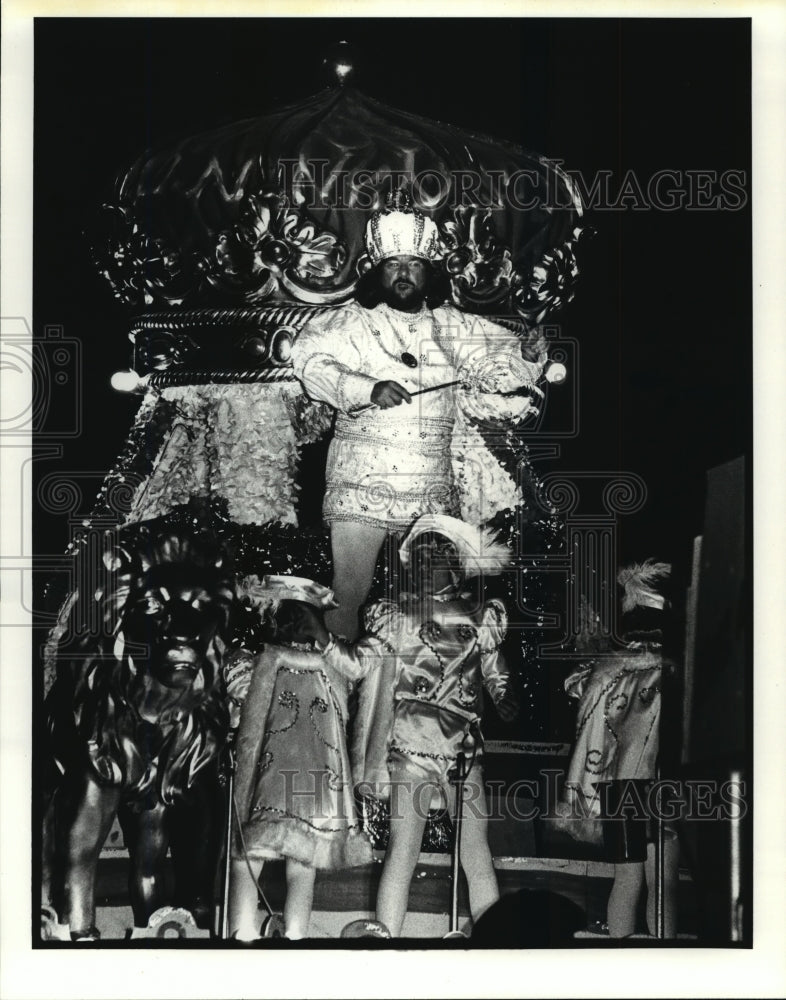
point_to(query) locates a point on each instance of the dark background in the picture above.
(663, 311)
(662, 314)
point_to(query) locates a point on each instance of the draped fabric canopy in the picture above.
(273, 209)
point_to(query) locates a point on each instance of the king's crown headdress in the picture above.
(400, 228)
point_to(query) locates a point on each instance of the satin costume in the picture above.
(617, 725)
(293, 786)
(617, 733)
(387, 467)
(420, 705)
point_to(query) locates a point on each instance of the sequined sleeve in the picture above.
(491, 358)
(493, 628)
(503, 357)
(328, 362)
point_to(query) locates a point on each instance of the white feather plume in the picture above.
(493, 554)
(639, 582)
(479, 549)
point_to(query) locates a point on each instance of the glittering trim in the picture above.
(421, 753)
(429, 755)
(322, 705)
(301, 819)
(435, 447)
(287, 699)
(420, 226)
(341, 382)
(420, 421)
(334, 508)
(388, 524)
(624, 672)
(471, 698)
(431, 629)
(401, 496)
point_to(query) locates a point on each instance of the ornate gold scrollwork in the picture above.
(483, 275)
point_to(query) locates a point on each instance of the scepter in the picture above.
(358, 411)
(554, 373)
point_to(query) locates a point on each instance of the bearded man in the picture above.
(378, 361)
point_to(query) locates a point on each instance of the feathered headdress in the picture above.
(638, 583)
(479, 549)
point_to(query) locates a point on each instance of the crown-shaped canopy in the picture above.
(274, 209)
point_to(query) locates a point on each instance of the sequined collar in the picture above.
(400, 316)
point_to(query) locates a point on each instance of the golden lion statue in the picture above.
(136, 720)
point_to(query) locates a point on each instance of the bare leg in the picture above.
(300, 899)
(409, 809)
(670, 883)
(624, 898)
(355, 550)
(475, 854)
(244, 920)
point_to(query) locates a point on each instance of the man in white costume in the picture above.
(400, 450)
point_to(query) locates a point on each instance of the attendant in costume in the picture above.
(400, 450)
(618, 740)
(446, 647)
(293, 788)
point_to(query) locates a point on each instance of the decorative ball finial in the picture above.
(125, 381)
(339, 62)
(556, 373)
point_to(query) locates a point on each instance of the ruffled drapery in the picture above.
(237, 442)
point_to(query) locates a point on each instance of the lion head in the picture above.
(140, 699)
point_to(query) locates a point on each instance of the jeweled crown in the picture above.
(400, 228)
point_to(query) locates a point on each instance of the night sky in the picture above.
(663, 311)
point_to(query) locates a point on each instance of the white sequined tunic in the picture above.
(389, 466)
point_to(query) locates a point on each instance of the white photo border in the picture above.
(761, 971)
